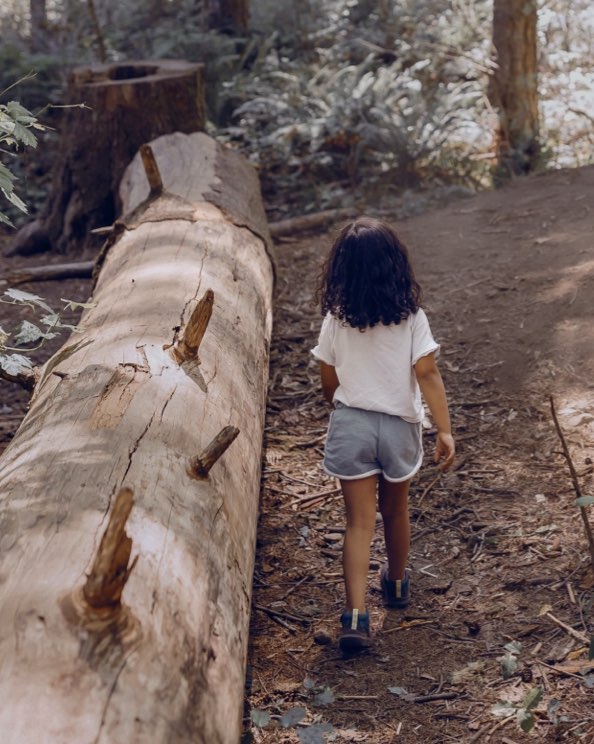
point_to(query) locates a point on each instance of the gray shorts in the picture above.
(362, 443)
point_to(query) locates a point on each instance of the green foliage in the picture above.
(368, 95)
(524, 712)
(16, 125)
(307, 733)
(13, 358)
(337, 99)
(584, 501)
(260, 718)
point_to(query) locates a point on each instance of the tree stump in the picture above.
(126, 104)
(121, 459)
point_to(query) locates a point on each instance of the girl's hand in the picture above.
(445, 450)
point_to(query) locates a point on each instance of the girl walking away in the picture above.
(377, 356)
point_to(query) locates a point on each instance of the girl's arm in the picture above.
(431, 385)
(329, 380)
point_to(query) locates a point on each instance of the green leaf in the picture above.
(525, 720)
(509, 665)
(584, 501)
(26, 297)
(533, 698)
(326, 697)
(22, 134)
(20, 296)
(402, 692)
(53, 319)
(28, 333)
(553, 708)
(4, 220)
(503, 709)
(514, 647)
(7, 125)
(15, 364)
(260, 718)
(309, 683)
(292, 716)
(6, 178)
(16, 110)
(15, 199)
(314, 734)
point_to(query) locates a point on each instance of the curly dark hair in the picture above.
(367, 278)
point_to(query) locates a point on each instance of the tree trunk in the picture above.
(128, 409)
(513, 88)
(38, 20)
(127, 104)
(229, 15)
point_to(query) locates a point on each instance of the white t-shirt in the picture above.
(375, 367)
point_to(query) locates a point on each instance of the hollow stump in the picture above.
(126, 104)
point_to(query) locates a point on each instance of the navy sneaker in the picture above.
(355, 634)
(396, 593)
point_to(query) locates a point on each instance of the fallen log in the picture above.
(314, 221)
(140, 406)
(51, 272)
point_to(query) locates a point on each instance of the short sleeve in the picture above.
(423, 342)
(324, 351)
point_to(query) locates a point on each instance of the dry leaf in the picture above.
(579, 666)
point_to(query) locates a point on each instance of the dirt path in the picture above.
(497, 544)
(509, 283)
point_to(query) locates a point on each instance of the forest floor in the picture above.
(503, 589)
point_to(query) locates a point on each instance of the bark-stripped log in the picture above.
(114, 410)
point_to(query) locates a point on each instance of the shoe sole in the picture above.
(391, 605)
(351, 643)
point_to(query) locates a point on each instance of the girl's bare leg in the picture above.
(393, 505)
(360, 501)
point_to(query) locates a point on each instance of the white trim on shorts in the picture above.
(377, 471)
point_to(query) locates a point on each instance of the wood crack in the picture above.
(108, 701)
(135, 446)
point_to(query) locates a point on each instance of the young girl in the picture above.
(376, 355)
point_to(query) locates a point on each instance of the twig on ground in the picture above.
(560, 671)
(500, 725)
(304, 501)
(436, 696)
(489, 730)
(429, 487)
(295, 586)
(574, 479)
(282, 623)
(448, 523)
(283, 615)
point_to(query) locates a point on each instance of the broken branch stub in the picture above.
(199, 467)
(152, 170)
(186, 348)
(110, 570)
